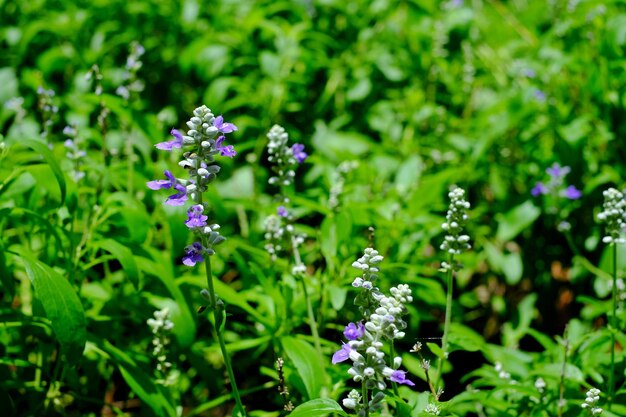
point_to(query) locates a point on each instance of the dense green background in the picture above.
(422, 94)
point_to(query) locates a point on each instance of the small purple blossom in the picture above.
(400, 377)
(298, 152)
(223, 127)
(177, 199)
(572, 193)
(169, 145)
(354, 331)
(557, 171)
(342, 354)
(539, 95)
(160, 184)
(539, 189)
(196, 217)
(529, 72)
(282, 211)
(193, 254)
(228, 150)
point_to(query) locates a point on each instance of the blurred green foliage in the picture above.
(407, 97)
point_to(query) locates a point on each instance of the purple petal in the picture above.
(538, 189)
(282, 211)
(354, 331)
(342, 354)
(557, 171)
(159, 184)
(400, 378)
(228, 151)
(572, 193)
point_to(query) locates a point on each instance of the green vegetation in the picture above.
(521, 104)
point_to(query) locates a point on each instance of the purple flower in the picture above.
(223, 127)
(224, 150)
(298, 152)
(342, 354)
(529, 72)
(400, 377)
(169, 145)
(193, 254)
(159, 184)
(177, 199)
(282, 211)
(354, 331)
(572, 193)
(196, 217)
(539, 189)
(539, 95)
(557, 171)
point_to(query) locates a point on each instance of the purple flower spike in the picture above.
(196, 217)
(400, 378)
(228, 151)
(298, 152)
(572, 193)
(539, 189)
(169, 145)
(179, 198)
(282, 211)
(557, 171)
(193, 254)
(160, 184)
(342, 354)
(223, 127)
(354, 331)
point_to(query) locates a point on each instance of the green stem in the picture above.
(446, 326)
(613, 328)
(218, 328)
(309, 305)
(392, 354)
(364, 393)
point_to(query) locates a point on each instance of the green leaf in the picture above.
(62, 306)
(125, 257)
(42, 149)
(516, 220)
(142, 384)
(307, 362)
(317, 407)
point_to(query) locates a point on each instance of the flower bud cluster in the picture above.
(383, 323)
(161, 328)
(204, 144)
(432, 409)
(283, 158)
(455, 241)
(280, 232)
(74, 153)
(47, 108)
(591, 402)
(339, 182)
(614, 215)
(132, 84)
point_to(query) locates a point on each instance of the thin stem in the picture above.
(561, 401)
(392, 354)
(309, 305)
(364, 393)
(218, 328)
(613, 329)
(446, 325)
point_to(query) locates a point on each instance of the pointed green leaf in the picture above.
(125, 257)
(316, 408)
(308, 364)
(43, 150)
(143, 385)
(62, 306)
